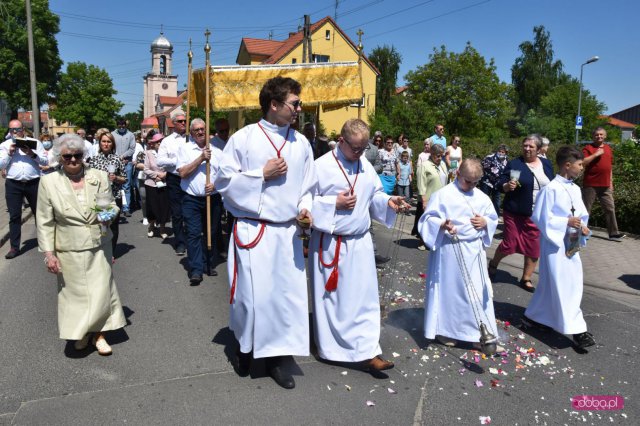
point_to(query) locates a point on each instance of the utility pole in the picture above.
(35, 111)
(335, 11)
(307, 40)
(304, 40)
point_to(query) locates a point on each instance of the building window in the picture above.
(294, 61)
(320, 58)
(327, 35)
(163, 64)
(359, 104)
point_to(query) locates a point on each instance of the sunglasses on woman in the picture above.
(68, 157)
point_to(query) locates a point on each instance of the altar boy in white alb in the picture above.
(561, 217)
(452, 311)
(266, 177)
(345, 283)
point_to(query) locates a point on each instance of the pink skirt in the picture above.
(520, 235)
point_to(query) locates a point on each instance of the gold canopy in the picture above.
(238, 87)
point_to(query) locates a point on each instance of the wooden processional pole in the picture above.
(207, 51)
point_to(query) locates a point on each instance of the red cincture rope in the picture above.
(351, 187)
(278, 151)
(236, 244)
(332, 282)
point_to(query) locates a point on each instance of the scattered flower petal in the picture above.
(370, 403)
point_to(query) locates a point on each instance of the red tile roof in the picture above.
(618, 123)
(170, 100)
(401, 89)
(256, 46)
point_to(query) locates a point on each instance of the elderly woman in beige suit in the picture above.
(69, 234)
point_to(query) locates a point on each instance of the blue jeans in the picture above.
(403, 190)
(194, 212)
(127, 186)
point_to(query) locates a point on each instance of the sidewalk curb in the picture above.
(4, 232)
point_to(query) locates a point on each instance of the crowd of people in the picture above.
(272, 183)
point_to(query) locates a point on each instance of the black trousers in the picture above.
(176, 194)
(15, 191)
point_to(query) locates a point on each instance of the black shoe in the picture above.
(617, 237)
(380, 260)
(278, 373)
(195, 279)
(180, 251)
(12, 253)
(127, 214)
(527, 285)
(243, 362)
(212, 273)
(584, 340)
(528, 322)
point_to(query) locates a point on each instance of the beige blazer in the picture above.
(62, 224)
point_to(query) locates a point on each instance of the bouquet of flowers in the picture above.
(104, 211)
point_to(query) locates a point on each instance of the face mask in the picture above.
(501, 156)
(47, 144)
(122, 131)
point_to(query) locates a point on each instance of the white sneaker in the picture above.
(446, 341)
(102, 346)
(145, 222)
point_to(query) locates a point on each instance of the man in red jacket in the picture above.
(598, 180)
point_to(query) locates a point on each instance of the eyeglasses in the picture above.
(68, 157)
(355, 150)
(16, 129)
(198, 130)
(181, 121)
(295, 104)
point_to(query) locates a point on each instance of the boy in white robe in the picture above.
(462, 210)
(561, 216)
(344, 279)
(266, 177)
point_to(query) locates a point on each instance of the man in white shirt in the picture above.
(88, 146)
(23, 176)
(167, 159)
(192, 166)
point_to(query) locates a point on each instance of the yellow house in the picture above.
(328, 44)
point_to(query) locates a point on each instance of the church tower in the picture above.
(159, 81)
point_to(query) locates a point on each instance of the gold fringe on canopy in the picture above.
(238, 87)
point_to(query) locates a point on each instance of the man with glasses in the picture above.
(191, 164)
(125, 147)
(22, 166)
(266, 177)
(344, 278)
(438, 137)
(167, 159)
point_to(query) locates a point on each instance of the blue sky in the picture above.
(116, 35)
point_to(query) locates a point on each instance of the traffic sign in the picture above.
(578, 122)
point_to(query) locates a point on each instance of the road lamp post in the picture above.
(590, 61)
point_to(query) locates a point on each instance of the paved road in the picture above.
(171, 363)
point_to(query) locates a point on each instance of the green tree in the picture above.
(387, 60)
(134, 119)
(535, 72)
(14, 59)
(463, 91)
(85, 97)
(555, 116)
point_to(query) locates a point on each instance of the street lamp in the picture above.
(590, 61)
